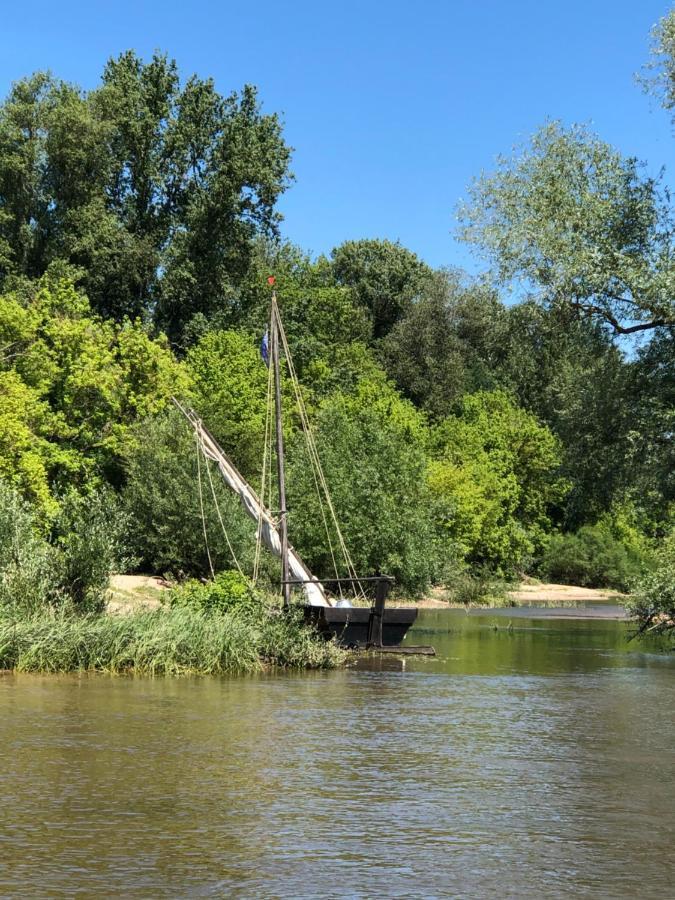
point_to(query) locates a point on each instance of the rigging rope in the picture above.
(220, 518)
(201, 499)
(314, 457)
(267, 455)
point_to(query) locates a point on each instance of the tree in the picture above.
(161, 497)
(70, 387)
(371, 445)
(230, 389)
(153, 189)
(444, 345)
(572, 216)
(568, 373)
(495, 478)
(661, 69)
(385, 278)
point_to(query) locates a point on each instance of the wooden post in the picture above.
(377, 614)
(283, 524)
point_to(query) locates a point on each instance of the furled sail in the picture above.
(254, 508)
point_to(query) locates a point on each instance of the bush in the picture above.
(161, 499)
(27, 579)
(73, 566)
(89, 535)
(481, 588)
(653, 600)
(227, 592)
(591, 557)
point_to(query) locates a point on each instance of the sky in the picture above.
(392, 108)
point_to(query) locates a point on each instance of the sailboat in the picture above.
(371, 626)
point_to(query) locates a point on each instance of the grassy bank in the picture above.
(168, 641)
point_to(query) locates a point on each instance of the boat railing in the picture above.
(383, 585)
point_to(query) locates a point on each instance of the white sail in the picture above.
(254, 508)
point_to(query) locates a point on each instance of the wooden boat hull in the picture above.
(351, 626)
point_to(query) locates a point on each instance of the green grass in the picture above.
(168, 641)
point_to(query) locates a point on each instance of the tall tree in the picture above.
(573, 217)
(153, 189)
(444, 346)
(384, 276)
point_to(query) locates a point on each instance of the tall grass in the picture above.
(173, 641)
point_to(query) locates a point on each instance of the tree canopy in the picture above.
(151, 188)
(572, 217)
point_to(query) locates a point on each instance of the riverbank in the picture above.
(163, 641)
(131, 593)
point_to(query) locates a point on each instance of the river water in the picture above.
(528, 759)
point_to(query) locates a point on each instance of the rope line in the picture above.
(220, 518)
(314, 454)
(201, 499)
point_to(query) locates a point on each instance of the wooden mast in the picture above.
(283, 524)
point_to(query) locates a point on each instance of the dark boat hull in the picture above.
(351, 626)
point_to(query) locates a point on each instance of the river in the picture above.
(530, 758)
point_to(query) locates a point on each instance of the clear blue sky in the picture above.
(391, 107)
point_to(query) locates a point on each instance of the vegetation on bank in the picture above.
(466, 440)
(175, 641)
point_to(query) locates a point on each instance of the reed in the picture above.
(167, 641)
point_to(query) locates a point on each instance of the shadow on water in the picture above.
(529, 759)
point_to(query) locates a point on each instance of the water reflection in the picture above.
(521, 762)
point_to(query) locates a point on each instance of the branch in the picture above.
(614, 322)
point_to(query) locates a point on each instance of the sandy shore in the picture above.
(130, 593)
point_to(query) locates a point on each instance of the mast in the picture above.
(283, 524)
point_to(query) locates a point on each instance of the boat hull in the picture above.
(351, 626)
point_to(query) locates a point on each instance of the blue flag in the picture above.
(265, 348)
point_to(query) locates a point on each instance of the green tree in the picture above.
(230, 390)
(570, 374)
(384, 276)
(161, 498)
(660, 71)
(444, 345)
(153, 188)
(371, 445)
(495, 479)
(572, 216)
(72, 385)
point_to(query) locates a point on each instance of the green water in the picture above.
(532, 761)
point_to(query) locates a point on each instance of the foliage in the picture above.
(371, 446)
(385, 278)
(444, 345)
(153, 188)
(172, 641)
(72, 386)
(591, 557)
(89, 534)
(494, 478)
(227, 592)
(660, 71)
(26, 564)
(71, 566)
(479, 588)
(230, 390)
(653, 600)
(161, 499)
(572, 216)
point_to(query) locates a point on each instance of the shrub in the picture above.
(26, 560)
(161, 499)
(481, 588)
(591, 557)
(227, 592)
(89, 535)
(653, 600)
